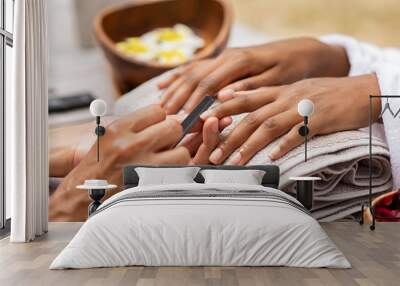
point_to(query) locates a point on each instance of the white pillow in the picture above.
(165, 176)
(247, 177)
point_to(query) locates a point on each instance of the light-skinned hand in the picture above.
(143, 137)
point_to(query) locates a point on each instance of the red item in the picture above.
(387, 207)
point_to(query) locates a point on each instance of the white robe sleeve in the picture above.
(365, 58)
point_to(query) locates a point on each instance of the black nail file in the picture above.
(194, 116)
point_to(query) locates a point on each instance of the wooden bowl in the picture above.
(210, 19)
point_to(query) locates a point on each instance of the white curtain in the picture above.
(26, 123)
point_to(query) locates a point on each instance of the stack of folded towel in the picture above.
(340, 159)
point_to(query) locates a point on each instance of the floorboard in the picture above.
(375, 257)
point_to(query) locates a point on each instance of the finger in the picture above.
(169, 80)
(267, 132)
(197, 127)
(179, 97)
(192, 142)
(176, 156)
(178, 117)
(169, 93)
(207, 137)
(245, 102)
(225, 122)
(189, 77)
(217, 79)
(160, 136)
(290, 141)
(211, 139)
(233, 140)
(140, 119)
(226, 94)
(211, 132)
(229, 93)
(267, 78)
(202, 155)
(243, 130)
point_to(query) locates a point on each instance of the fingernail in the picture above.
(162, 100)
(235, 159)
(216, 156)
(275, 152)
(187, 138)
(205, 114)
(227, 120)
(226, 94)
(168, 111)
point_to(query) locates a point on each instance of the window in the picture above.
(6, 43)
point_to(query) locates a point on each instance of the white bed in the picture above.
(201, 224)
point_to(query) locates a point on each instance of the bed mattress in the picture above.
(201, 225)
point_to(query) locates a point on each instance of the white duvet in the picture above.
(221, 225)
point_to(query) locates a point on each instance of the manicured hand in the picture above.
(340, 104)
(239, 69)
(143, 137)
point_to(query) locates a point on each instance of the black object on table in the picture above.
(69, 102)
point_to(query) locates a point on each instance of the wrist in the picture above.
(358, 89)
(324, 60)
(61, 161)
(340, 61)
(372, 88)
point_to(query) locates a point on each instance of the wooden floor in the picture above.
(375, 257)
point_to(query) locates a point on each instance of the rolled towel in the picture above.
(340, 159)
